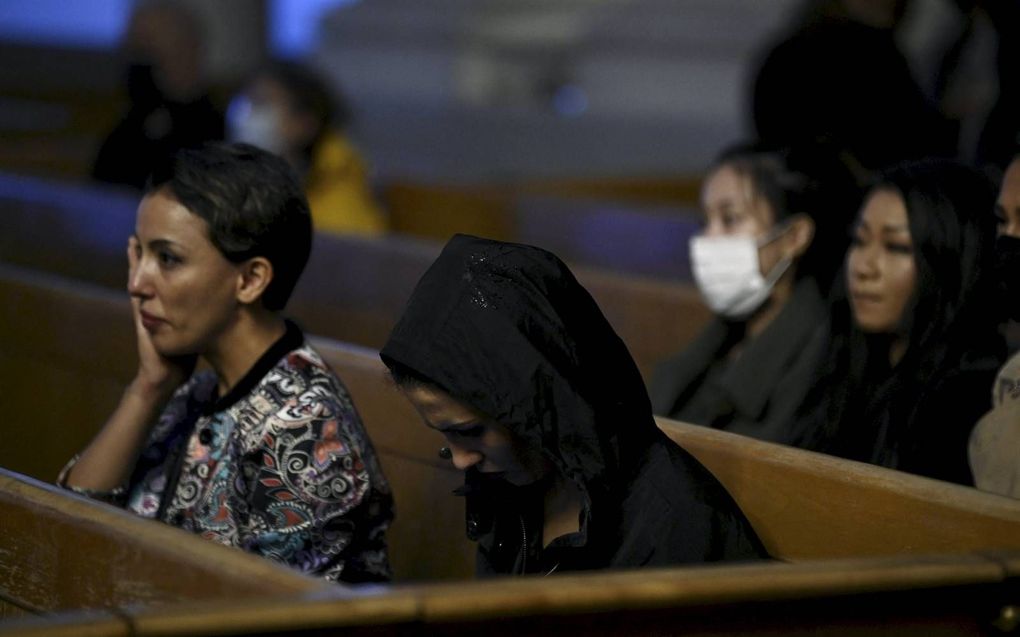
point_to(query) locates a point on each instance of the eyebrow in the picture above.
(899, 228)
(446, 427)
(164, 243)
(887, 228)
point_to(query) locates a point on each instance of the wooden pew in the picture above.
(429, 519)
(649, 241)
(808, 505)
(67, 352)
(798, 501)
(620, 226)
(60, 552)
(805, 506)
(353, 289)
(439, 211)
(682, 191)
(76, 230)
(941, 595)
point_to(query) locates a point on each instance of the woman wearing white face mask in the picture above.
(288, 110)
(773, 238)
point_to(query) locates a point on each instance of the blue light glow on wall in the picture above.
(294, 24)
(88, 23)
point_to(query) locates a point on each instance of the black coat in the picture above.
(758, 394)
(507, 329)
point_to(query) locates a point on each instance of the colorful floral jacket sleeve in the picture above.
(285, 471)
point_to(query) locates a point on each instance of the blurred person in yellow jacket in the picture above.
(287, 109)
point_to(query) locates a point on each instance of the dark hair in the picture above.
(813, 180)
(407, 378)
(251, 200)
(309, 93)
(949, 210)
(951, 315)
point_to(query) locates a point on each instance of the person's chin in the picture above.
(172, 348)
(491, 476)
(521, 479)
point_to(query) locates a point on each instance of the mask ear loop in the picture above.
(780, 268)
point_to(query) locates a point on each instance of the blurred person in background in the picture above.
(978, 80)
(841, 77)
(915, 337)
(287, 109)
(169, 106)
(775, 230)
(995, 441)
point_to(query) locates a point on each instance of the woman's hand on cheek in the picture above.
(158, 374)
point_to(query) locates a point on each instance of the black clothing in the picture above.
(759, 393)
(896, 422)
(153, 128)
(1005, 276)
(507, 329)
(847, 83)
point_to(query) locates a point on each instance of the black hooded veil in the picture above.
(507, 329)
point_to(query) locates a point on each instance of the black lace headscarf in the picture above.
(507, 329)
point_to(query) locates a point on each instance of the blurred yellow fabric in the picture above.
(338, 190)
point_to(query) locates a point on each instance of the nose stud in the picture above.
(445, 453)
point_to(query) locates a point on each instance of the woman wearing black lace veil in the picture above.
(503, 351)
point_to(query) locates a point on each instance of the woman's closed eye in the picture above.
(474, 431)
(899, 247)
(168, 259)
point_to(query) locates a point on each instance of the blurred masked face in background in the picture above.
(264, 115)
(736, 259)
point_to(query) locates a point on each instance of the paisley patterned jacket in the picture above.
(281, 466)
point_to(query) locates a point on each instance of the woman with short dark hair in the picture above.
(264, 450)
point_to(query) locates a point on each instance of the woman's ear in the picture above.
(799, 235)
(256, 275)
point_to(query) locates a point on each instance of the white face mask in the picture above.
(255, 125)
(728, 273)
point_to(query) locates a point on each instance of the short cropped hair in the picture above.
(253, 203)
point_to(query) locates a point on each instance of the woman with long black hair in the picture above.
(916, 342)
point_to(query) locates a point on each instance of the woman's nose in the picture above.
(138, 279)
(863, 263)
(464, 458)
(712, 228)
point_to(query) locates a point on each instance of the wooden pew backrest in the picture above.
(427, 539)
(619, 237)
(67, 351)
(942, 595)
(804, 505)
(61, 551)
(354, 289)
(807, 505)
